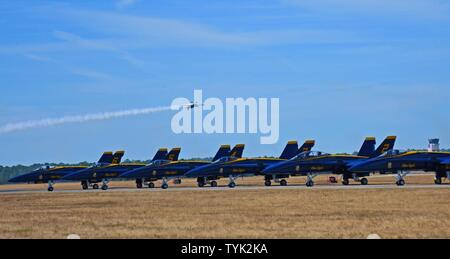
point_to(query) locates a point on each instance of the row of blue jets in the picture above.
(229, 163)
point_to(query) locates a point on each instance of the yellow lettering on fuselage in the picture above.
(408, 165)
(170, 172)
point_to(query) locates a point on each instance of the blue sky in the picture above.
(343, 70)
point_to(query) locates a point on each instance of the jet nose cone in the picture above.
(17, 179)
(28, 177)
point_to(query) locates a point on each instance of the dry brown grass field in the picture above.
(261, 213)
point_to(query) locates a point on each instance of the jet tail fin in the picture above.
(117, 158)
(237, 151)
(290, 150)
(160, 154)
(307, 146)
(223, 151)
(368, 147)
(173, 154)
(106, 158)
(386, 145)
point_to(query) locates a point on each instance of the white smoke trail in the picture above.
(12, 127)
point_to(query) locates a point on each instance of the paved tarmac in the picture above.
(173, 188)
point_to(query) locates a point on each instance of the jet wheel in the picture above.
(151, 185)
(438, 181)
(267, 183)
(283, 182)
(232, 185)
(50, 189)
(164, 186)
(400, 182)
(95, 186)
(364, 181)
(105, 187)
(213, 184)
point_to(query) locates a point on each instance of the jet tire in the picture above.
(364, 181)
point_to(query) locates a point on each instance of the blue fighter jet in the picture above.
(232, 167)
(313, 163)
(50, 175)
(402, 163)
(167, 170)
(102, 174)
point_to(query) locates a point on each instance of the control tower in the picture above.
(433, 144)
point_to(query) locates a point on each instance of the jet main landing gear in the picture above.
(84, 185)
(139, 183)
(400, 178)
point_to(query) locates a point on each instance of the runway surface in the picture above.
(237, 188)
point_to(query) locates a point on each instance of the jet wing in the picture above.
(445, 161)
(353, 163)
